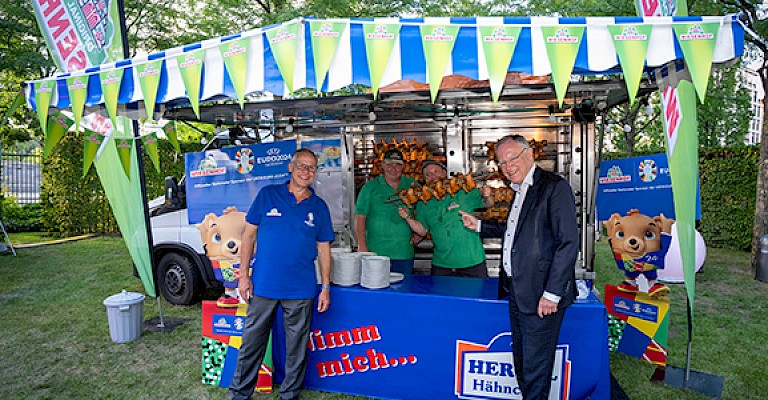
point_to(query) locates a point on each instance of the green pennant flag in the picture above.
(91, 144)
(438, 41)
(149, 80)
(697, 40)
(680, 124)
(284, 41)
(17, 101)
(110, 87)
(235, 56)
(58, 125)
(170, 132)
(631, 43)
(191, 69)
(124, 147)
(78, 91)
(562, 43)
(325, 37)
(43, 94)
(379, 41)
(499, 44)
(150, 147)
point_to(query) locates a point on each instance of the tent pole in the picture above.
(139, 160)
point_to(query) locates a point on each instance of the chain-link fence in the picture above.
(21, 177)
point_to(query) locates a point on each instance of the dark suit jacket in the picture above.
(546, 243)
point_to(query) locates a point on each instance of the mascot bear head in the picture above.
(222, 234)
(636, 234)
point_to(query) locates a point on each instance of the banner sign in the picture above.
(637, 325)
(403, 342)
(217, 179)
(638, 182)
(80, 33)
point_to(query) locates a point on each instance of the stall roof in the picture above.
(596, 55)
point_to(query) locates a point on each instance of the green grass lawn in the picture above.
(55, 343)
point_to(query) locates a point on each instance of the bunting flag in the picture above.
(631, 44)
(562, 43)
(284, 41)
(379, 40)
(235, 56)
(58, 125)
(78, 91)
(149, 80)
(325, 37)
(499, 44)
(110, 88)
(43, 94)
(17, 101)
(124, 147)
(91, 145)
(150, 147)
(438, 41)
(679, 104)
(697, 40)
(170, 132)
(191, 70)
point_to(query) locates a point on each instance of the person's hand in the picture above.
(323, 300)
(404, 214)
(416, 238)
(546, 307)
(245, 289)
(469, 220)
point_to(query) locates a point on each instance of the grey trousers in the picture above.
(297, 316)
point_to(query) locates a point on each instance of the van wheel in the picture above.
(179, 279)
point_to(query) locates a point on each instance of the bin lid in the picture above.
(123, 299)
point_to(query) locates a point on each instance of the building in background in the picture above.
(751, 82)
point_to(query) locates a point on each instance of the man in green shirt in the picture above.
(378, 225)
(458, 251)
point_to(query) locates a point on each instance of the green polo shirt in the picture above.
(386, 233)
(455, 245)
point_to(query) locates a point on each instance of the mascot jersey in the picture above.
(227, 272)
(648, 262)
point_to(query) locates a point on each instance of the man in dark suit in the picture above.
(541, 243)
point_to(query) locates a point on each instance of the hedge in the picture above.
(73, 204)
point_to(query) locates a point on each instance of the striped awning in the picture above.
(350, 64)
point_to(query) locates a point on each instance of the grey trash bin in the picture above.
(125, 314)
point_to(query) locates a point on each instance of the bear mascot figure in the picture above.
(639, 245)
(222, 236)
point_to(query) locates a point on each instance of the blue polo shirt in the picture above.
(286, 242)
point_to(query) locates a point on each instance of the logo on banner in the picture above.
(326, 30)
(77, 83)
(244, 160)
(189, 61)
(380, 33)
(110, 78)
(672, 116)
(149, 71)
(486, 371)
(636, 309)
(234, 49)
(229, 325)
(208, 167)
(438, 35)
(274, 157)
(499, 35)
(563, 35)
(282, 35)
(615, 175)
(647, 170)
(695, 32)
(630, 33)
(656, 8)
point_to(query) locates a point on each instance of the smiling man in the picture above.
(541, 243)
(291, 226)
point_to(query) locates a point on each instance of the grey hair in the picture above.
(303, 150)
(519, 139)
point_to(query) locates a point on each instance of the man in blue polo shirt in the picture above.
(291, 226)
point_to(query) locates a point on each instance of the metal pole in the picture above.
(690, 340)
(142, 177)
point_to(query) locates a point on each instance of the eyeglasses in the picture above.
(305, 167)
(510, 160)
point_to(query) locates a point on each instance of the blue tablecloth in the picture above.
(441, 338)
